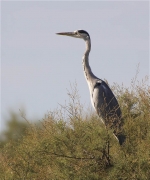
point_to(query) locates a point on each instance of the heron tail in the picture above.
(121, 138)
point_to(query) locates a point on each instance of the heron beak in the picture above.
(72, 34)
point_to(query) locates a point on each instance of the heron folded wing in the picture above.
(105, 102)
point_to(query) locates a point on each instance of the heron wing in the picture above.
(105, 103)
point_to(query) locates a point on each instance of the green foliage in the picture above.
(73, 144)
(16, 129)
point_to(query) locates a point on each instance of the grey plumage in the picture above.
(102, 98)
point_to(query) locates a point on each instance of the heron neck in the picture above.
(88, 47)
(86, 67)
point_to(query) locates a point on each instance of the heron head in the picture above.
(77, 34)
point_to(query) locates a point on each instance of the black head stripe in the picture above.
(82, 31)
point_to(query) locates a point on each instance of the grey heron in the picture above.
(102, 98)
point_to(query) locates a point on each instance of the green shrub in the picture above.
(74, 144)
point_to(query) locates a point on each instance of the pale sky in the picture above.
(38, 66)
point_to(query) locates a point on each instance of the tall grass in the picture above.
(73, 144)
